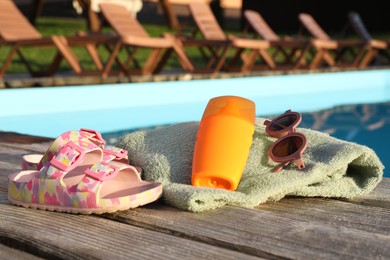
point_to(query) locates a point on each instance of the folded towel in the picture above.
(334, 168)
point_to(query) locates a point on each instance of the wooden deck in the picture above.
(293, 228)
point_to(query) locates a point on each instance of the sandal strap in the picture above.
(114, 153)
(68, 157)
(31, 161)
(93, 134)
(82, 136)
(100, 172)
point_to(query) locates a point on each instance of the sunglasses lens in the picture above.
(283, 122)
(287, 146)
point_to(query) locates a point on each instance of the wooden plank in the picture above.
(36, 10)
(339, 213)
(61, 235)
(27, 237)
(15, 138)
(379, 197)
(170, 14)
(20, 149)
(11, 155)
(291, 228)
(12, 147)
(11, 253)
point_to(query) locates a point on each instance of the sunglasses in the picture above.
(290, 145)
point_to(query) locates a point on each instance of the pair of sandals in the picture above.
(79, 174)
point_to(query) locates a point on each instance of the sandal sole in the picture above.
(135, 204)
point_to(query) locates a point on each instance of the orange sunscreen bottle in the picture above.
(223, 142)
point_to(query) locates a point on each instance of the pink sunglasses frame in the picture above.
(282, 135)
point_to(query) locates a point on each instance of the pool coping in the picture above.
(22, 80)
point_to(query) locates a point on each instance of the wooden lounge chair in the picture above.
(214, 41)
(325, 45)
(373, 46)
(133, 36)
(167, 7)
(293, 50)
(17, 32)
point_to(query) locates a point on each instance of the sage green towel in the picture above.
(334, 168)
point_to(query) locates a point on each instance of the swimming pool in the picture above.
(119, 107)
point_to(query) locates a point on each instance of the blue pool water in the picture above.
(116, 108)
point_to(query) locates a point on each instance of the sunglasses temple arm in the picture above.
(280, 167)
(300, 163)
(268, 122)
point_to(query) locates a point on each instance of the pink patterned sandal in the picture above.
(77, 180)
(36, 161)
